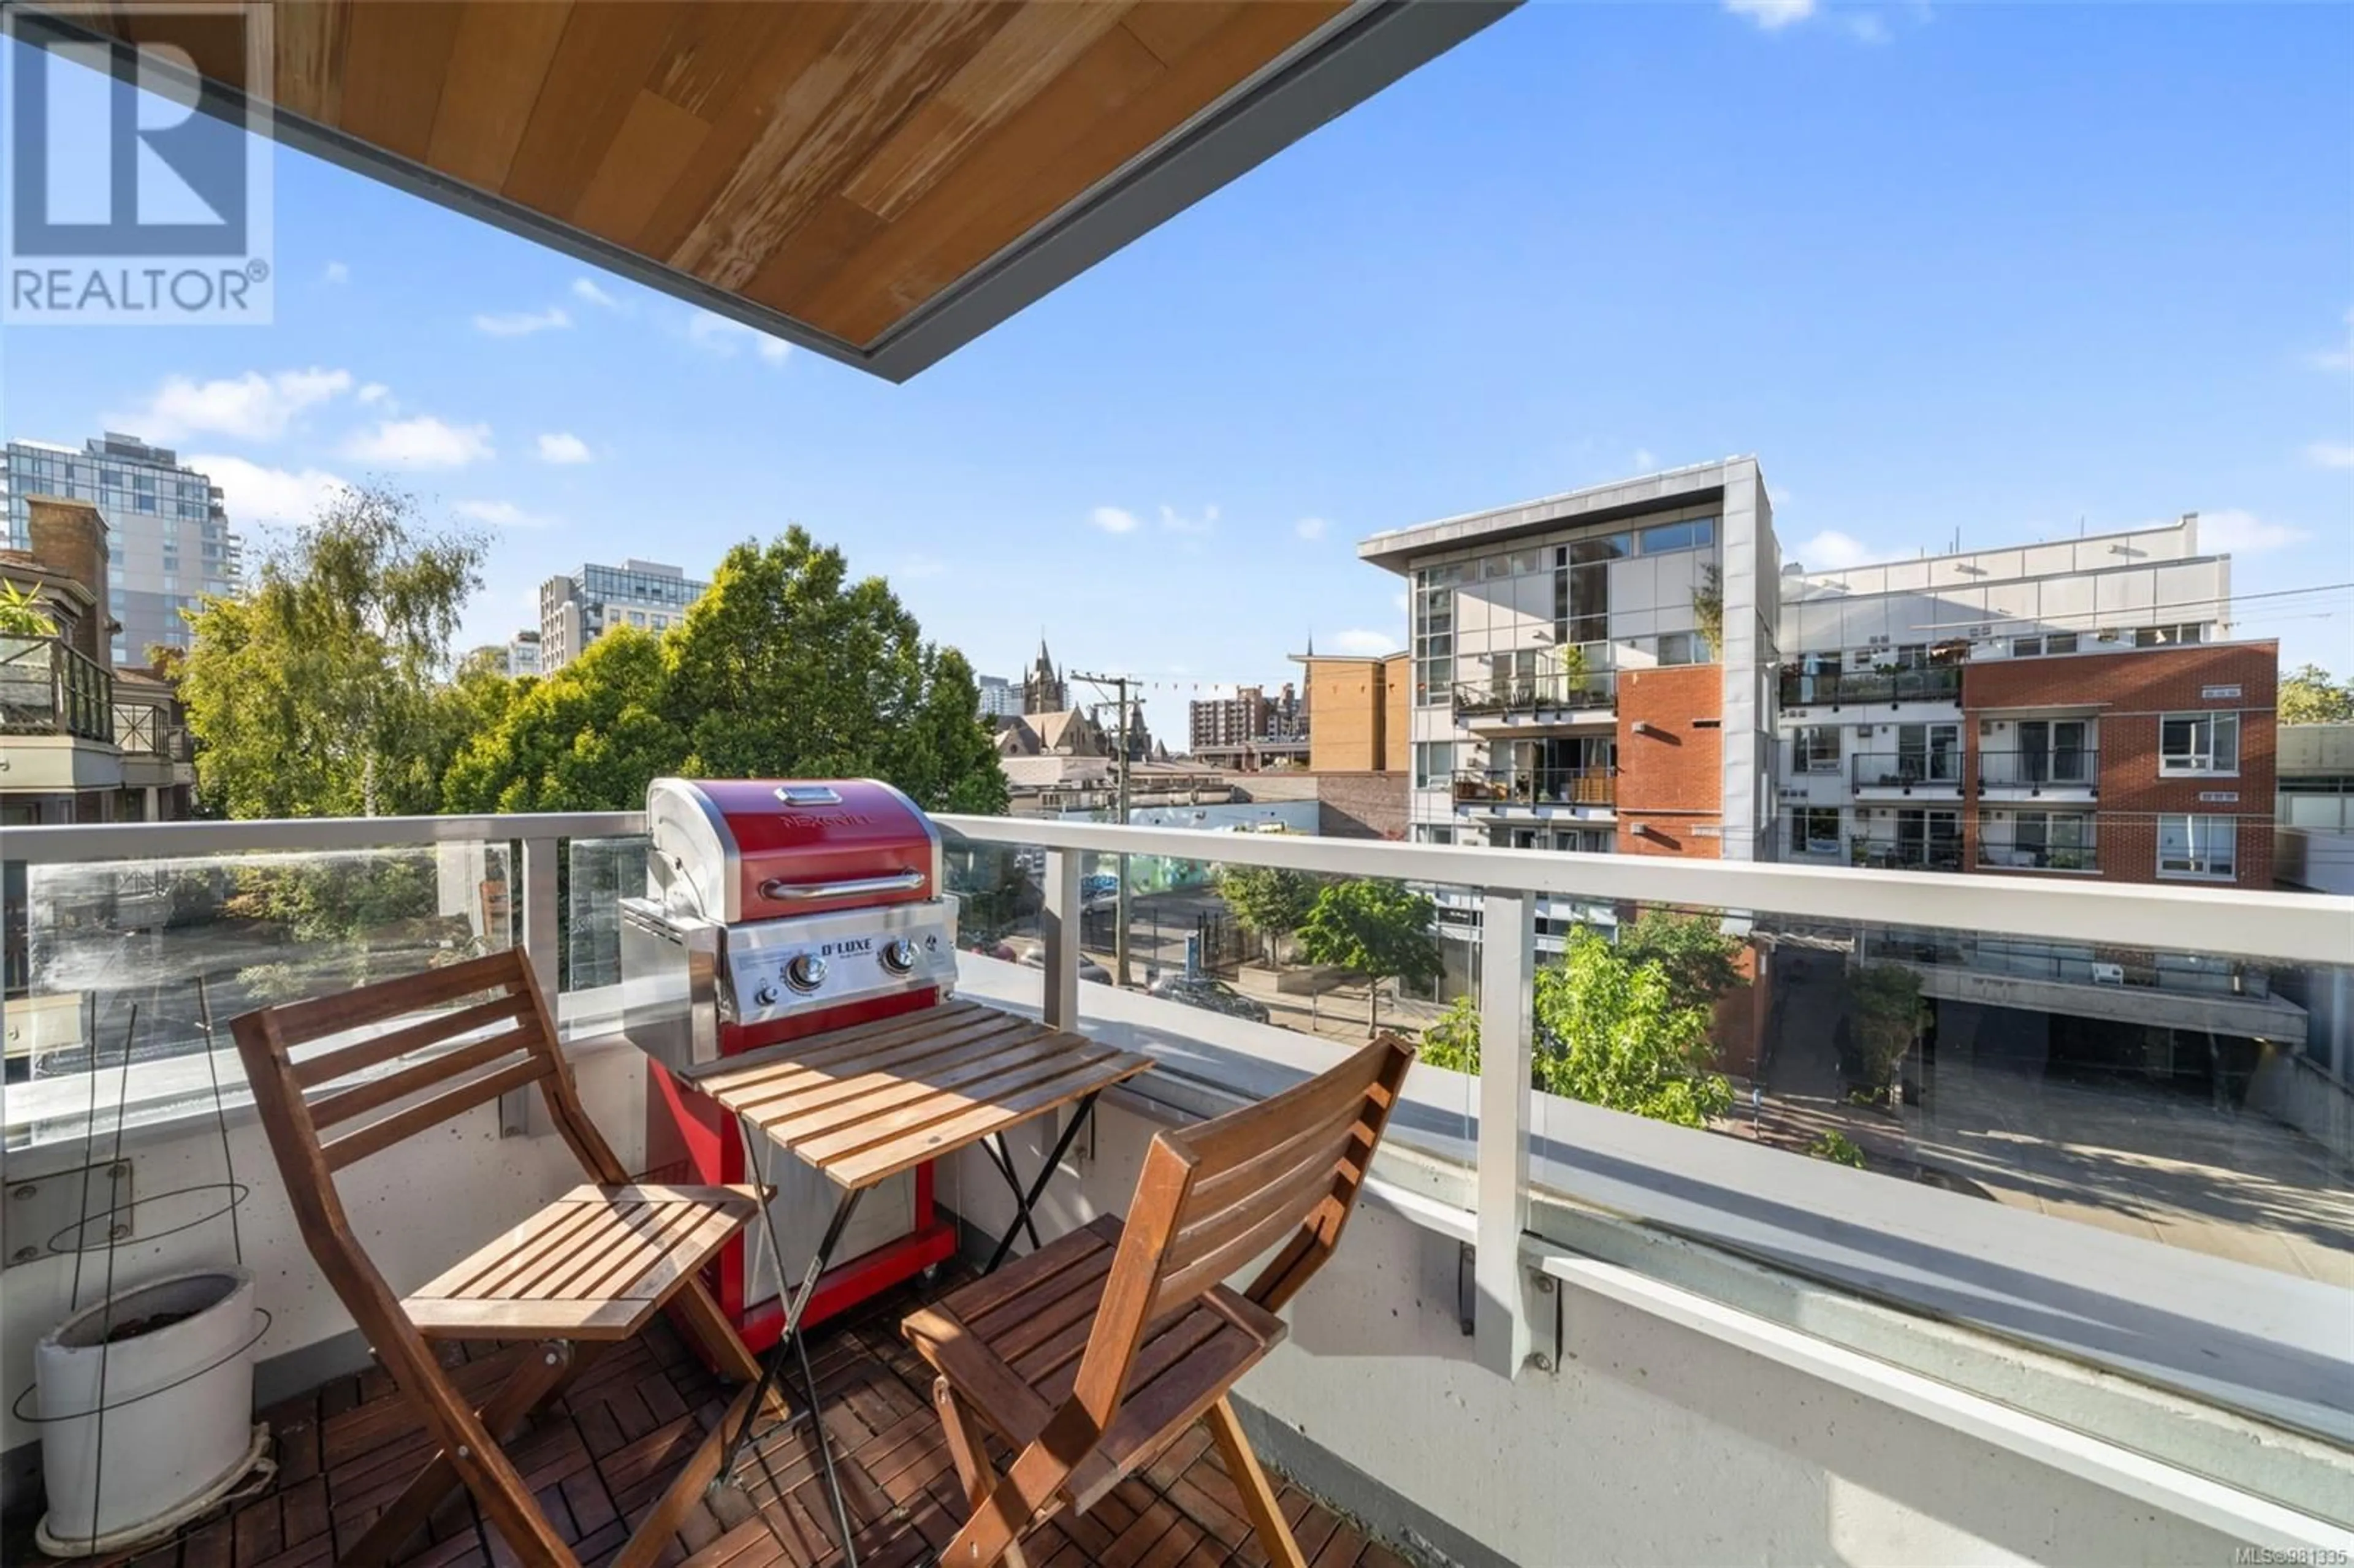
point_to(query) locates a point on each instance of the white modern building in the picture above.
(999, 698)
(575, 610)
(523, 653)
(168, 532)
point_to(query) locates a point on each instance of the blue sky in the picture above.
(2004, 270)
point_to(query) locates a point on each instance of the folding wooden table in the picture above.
(865, 1102)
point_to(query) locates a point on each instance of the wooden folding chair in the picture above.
(1096, 1351)
(584, 1273)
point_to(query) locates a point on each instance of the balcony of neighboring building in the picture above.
(2039, 774)
(57, 714)
(1537, 793)
(1927, 772)
(1829, 689)
(1519, 703)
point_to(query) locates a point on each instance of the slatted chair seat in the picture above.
(389, 1062)
(596, 1264)
(1096, 1351)
(1014, 1341)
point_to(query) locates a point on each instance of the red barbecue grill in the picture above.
(776, 909)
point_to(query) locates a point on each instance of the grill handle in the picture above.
(855, 887)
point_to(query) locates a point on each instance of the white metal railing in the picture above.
(1508, 884)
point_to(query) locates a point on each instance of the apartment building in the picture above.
(168, 531)
(1250, 730)
(999, 698)
(575, 610)
(1590, 671)
(523, 653)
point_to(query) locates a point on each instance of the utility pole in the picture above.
(1119, 683)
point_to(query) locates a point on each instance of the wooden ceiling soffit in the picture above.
(880, 182)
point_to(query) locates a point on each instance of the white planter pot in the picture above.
(176, 1410)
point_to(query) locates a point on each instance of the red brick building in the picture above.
(1670, 761)
(2141, 765)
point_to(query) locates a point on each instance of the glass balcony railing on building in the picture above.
(48, 688)
(2036, 770)
(1557, 689)
(1537, 787)
(1905, 769)
(1833, 689)
(1935, 846)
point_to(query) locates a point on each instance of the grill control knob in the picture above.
(898, 954)
(766, 996)
(806, 972)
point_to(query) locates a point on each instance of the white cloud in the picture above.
(1310, 527)
(336, 272)
(2330, 454)
(421, 442)
(1399, 600)
(523, 324)
(719, 335)
(1114, 519)
(1646, 459)
(1865, 27)
(252, 407)
(376, 392)
(1772, 13)
(1833, 551)
(587, 291)
(2238, 532)
(256, 495)
(1363, 643)
(1177, 522)
(563, 447)
(501, 514)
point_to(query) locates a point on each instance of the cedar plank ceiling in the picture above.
(825, 169)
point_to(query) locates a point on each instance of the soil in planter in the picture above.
(154, 1323)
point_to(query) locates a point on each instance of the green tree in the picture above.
(589, 738)
(2307, 695)
(1883, 1020)
(1608, 1031)
(1272, 901)
(783, 669)
(787, 668)
(1701, 961)
(315, 694)
(1382, 929)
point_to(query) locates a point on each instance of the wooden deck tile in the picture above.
(600, 1458)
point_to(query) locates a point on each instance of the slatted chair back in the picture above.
(1211, 1198)
(327, 1108)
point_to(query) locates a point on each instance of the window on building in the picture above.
(2049, 642)
(1815, 748)
(1815, 830)
(2197, 846)
(2166, 635)
(1696, 534)
(2198, 743)
(1606, 547)
(1434, 764)
(1525, 562)
(1680, 648)
(1433, 833)
(1496, 566)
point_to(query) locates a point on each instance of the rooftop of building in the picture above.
(1608, 502)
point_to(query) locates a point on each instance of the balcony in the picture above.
(1537, 790)
(1907, 852)
(1997, 855)
(2039, 775)
(1504, 703)
(1854, 688)
(48, 688)
(2115, 1287)
(1935, 774)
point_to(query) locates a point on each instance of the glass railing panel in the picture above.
(2136, 1150)
(118, 966)
(598, 875)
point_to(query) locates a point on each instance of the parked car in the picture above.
(1211, 995)
(1031, 952)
